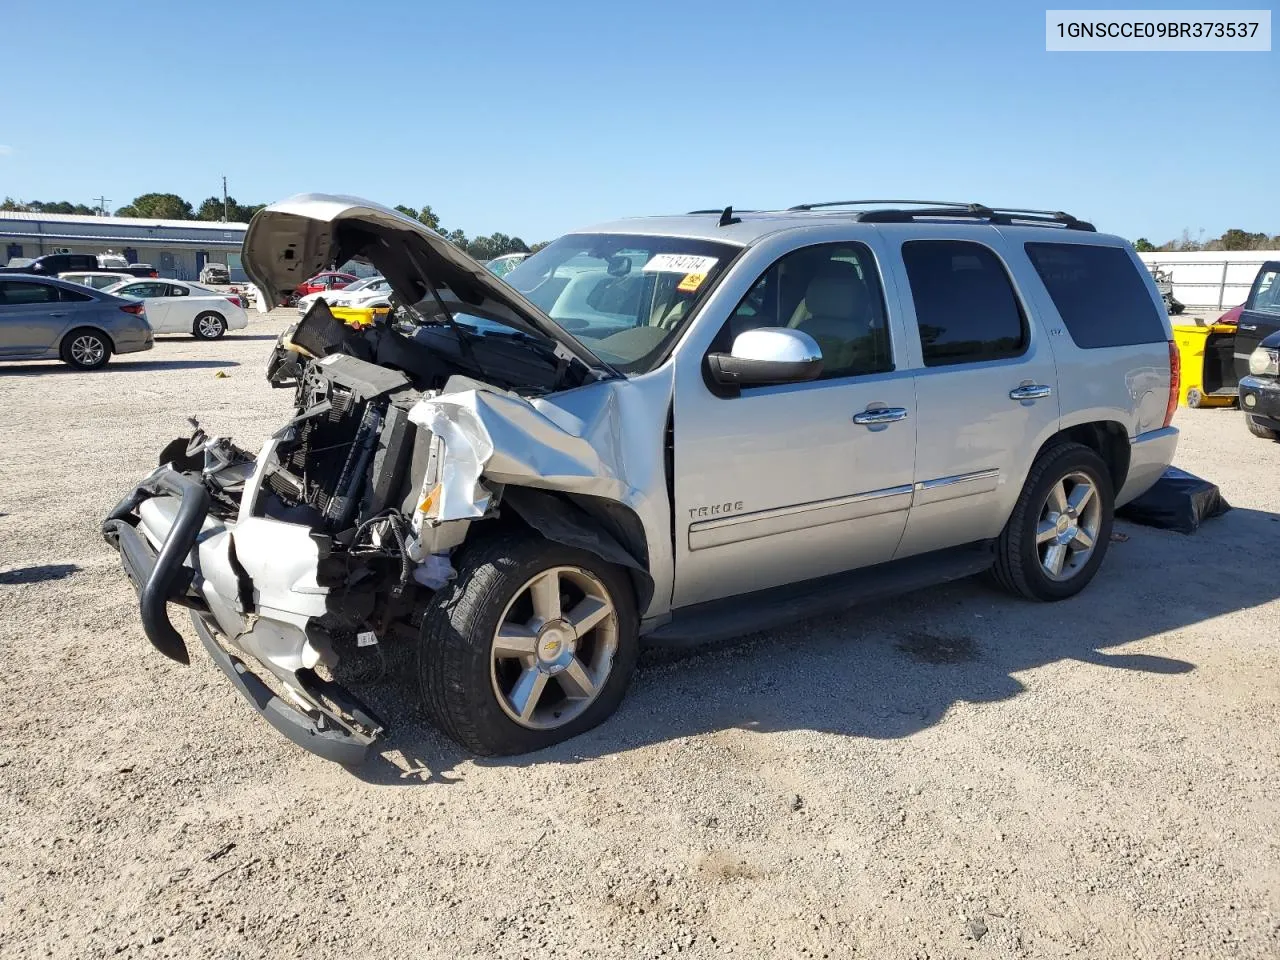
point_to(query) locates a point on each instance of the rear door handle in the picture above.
(1030, 391)
(869, 417)
(57, 314)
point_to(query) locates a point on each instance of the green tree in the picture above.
(1143, 245)
(1236, 239)
(160, 206)
(458, 238)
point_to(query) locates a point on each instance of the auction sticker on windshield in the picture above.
(679, 263)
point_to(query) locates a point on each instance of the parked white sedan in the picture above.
(178, 306)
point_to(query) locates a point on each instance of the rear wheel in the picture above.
(209, 326)
(1258, 430)
(532, 644)
(86, 349)
(1058, 533)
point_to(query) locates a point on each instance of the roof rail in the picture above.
(866, 203)
(1004, 216)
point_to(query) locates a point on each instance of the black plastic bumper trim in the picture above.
(158, 578)
(331, 743)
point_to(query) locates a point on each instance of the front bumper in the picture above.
(1260, 399)
(316, 714)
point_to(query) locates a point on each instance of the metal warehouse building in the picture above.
(176, 248)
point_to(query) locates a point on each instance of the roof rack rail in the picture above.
(1004, 216)
(892, 212)
(864, 203)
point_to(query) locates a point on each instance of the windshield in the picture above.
(626, 297)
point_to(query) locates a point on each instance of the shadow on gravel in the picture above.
(891, 669)
(115, 366)
(254, 336)
(38, 574)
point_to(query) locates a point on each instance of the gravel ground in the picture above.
(952, 774)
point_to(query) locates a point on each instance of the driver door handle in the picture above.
(869, 418)
(1030, 391)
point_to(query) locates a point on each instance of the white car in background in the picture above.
(179, 306)
(99, 281)
(369, 292)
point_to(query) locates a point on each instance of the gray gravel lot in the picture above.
(952, 774)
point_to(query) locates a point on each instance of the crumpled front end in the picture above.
(338, 531)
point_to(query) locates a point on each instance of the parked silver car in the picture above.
(661, 430)
(46, 319)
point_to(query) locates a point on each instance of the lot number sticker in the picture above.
(680, 263)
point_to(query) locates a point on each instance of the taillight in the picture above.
(1175, 382)
(135, 308)
(236, 301)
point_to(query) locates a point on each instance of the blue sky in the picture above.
(534, 118)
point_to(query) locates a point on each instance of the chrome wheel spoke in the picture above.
(514, 640)
(1083, 540)
(588, 614)
(545, 592)
(1054, 557)
(526, 693)
(1058, 497)
(1046, 531)
(576, 681)
(1080, 496)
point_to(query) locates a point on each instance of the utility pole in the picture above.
(102, 205)
(225, 218)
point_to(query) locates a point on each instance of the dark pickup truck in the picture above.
(52, 264)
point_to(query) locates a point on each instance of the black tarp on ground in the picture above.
(1178, 501)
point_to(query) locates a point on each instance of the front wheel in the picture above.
(209, 326)
(532, 644)
(1058, 533)
(1258, 430)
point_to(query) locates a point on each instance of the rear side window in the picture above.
(72, 296)
(15, 293)
(966, 309)
(1099, 294)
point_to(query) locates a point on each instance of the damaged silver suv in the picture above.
(664, 430)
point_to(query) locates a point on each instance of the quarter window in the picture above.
(1099, 294)
(72, 296)
(831, 292)
(966, 309)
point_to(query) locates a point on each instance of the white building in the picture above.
(176, 248)
(1217, 279)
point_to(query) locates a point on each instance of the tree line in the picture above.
(170, 206)
(1233, 239)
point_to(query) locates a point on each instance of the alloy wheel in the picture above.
(87, 350)
(1067, 531)
(553, 650)
(210, 327)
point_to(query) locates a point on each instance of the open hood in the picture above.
(292, 240)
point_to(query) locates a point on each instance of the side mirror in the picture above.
(769, 355)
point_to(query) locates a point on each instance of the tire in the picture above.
(209, 326)
(85, 349)
(1194, 398)
(472, 691)
(1258, 430)
(1022, 562)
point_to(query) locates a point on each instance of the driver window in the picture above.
(831, 292)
